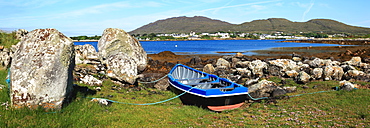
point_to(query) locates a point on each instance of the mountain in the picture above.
(183, 24)
(204, 24)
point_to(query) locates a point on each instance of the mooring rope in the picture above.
(256, 98)
(145, 103)
(154, 81)
(8, 80)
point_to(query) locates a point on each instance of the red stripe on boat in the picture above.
(222, 108)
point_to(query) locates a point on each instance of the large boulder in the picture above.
(122, 54)
(41, 70)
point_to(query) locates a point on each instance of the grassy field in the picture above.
(334, 108)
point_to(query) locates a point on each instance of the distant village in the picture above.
(230, 35)
(233, 36)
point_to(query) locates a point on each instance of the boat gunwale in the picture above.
(191, 89)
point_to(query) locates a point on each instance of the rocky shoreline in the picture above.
(334, 41)
(125, 63)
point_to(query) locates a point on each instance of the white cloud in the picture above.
(28, 3)
(239, 5)
(279, 4)
(258, 7)
(308, 10)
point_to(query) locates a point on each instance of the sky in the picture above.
(91, 17)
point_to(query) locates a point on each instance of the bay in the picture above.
(223, 47)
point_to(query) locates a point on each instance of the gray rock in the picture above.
(348, 86)
(354, 74)
(365, 67)
(123, 54)
(305, 68)
(242, 64)
(333, 73)
(263, 88)
(209, 69)
(162, 84)
(86, 54)
(290, 89)
(222, 62)
(222, 71)
(196, 60)
(284, 65)
(251, 82)
(20, 34)
(92, 81)
(303, 77)
(4, 58)
(355, 61)
(234, 62)
(244, 72)
(122, 68)
(296, 59)
(41, 70)
(317, 73)
(278, 92)
(257, 67)
(291, 74)
(316, 63)
(275, 70)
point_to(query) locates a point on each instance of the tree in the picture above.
(205, 37)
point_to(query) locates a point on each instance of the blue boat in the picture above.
(206, 90)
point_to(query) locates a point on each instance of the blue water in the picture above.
(213, 46)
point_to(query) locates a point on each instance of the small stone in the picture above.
(348, 86)
(278, 92)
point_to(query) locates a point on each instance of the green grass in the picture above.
(336, 108)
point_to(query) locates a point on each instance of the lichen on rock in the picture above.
(122, 54)
(41, 70)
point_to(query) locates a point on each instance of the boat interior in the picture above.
(201, 80)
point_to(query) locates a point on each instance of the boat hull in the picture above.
(211, 103)
(206, 90)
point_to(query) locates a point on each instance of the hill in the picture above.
(183, 24)
(204, 24)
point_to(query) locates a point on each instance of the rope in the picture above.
(8, 79)
(311, 93)
(146, 103)
(154, 81)
(256, 98)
